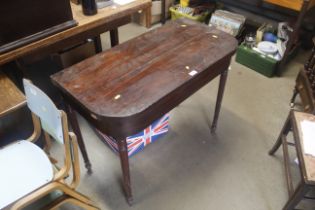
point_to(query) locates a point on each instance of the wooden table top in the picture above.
(11, 97)
(133, 84)
(104, 15)
(305, 160)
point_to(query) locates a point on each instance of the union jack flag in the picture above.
(137, 142)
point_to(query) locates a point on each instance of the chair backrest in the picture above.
(54, 123)
(309, 64)
(309, 68)
(41, 105)
(304, 88)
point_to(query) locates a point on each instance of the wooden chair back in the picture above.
(47, 117)
(54, 122)
(303, 86)
(311, 61)
(309, 68)
(41, 105)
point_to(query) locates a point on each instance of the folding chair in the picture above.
(27, 174)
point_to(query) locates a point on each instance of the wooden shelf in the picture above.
(11, 97)
(290, 4)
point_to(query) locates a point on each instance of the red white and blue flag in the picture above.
(138, 141)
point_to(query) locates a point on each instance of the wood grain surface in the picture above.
(11, 97)
(85, 23)
(124, 89)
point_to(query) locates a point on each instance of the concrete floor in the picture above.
(191, 169)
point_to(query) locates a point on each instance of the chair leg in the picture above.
(287, 165)
(74, 194)
(292, 101)
(83, 205)
(297, 196)
(47, 189)
(284, 131)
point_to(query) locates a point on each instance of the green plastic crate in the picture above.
(256, 61)
(175, 15)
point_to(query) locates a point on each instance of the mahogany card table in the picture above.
(124, 89)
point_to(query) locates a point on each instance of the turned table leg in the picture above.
(223, 78)
(124, 160)
(76, 129)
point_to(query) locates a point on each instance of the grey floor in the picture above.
(191, 169)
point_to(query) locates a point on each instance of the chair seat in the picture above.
(24, 168)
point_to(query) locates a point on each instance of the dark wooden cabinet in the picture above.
(22, 22)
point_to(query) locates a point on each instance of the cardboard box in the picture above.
(77, 53)
(137, 142)
(227, 21)
(156, 11)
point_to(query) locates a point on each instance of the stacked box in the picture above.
(156, 13)
(256, 61)
(228, 22)
(137, 142)
(175, 14)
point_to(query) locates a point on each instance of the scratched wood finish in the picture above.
(124, 89)
(11, 97)
(85, 23)
(307, 161)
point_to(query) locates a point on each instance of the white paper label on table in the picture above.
(308, 132)
(123, 2)
(193, 72)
